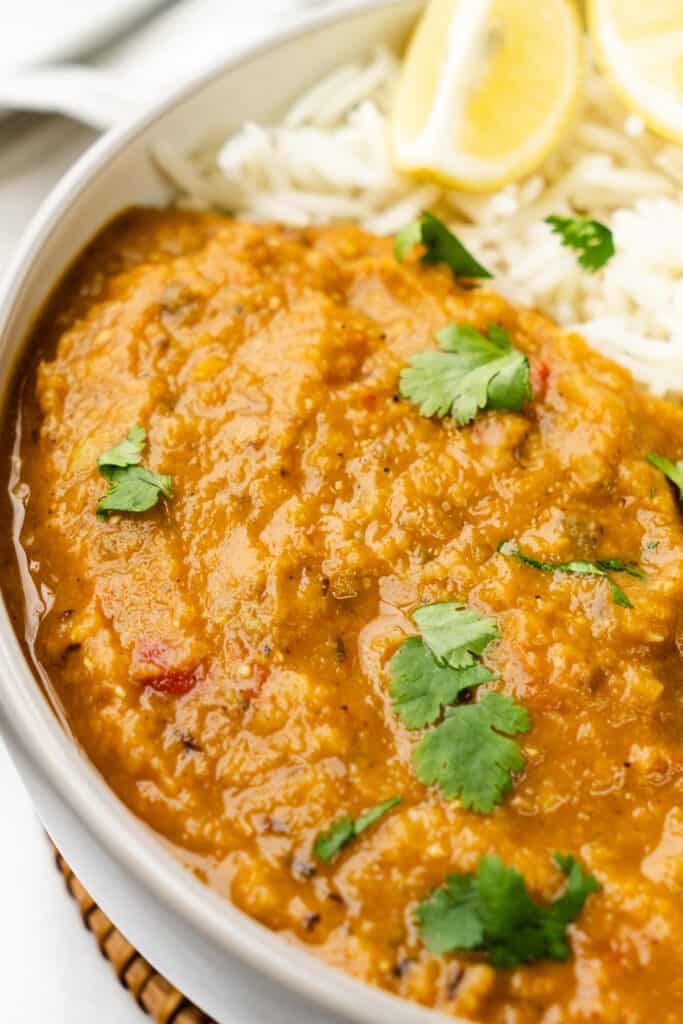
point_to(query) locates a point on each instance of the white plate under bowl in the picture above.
(236, 970)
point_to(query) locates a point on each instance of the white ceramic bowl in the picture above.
(232, 967)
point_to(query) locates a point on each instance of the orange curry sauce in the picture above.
(222, 658)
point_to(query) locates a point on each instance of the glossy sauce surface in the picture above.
(223, 658)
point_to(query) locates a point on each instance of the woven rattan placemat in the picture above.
(157, 997)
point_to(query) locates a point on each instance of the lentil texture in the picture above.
(222, 659)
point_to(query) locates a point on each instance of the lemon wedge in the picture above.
(640, 48)
(485, 90)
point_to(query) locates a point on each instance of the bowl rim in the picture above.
(32, 723)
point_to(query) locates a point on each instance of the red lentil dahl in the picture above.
(222, 658)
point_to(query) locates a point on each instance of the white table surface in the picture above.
(51, 970)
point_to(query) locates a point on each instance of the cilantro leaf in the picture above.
(134, 489)
(407, 238)
(468, 373)
(602, 567)
(421, 687)
(453, 632)
(127, 452)
(131, 487)
(590, 238)
(492, 912)
(328, 844)
(340, 833)
(441, 246)
(451, 917)
(374, 814)
(466, 754)
(672, 470)
(570, 904)
(467, 757)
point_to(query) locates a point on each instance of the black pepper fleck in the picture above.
(189, 742)
(303, 869)
(402, 966)
(455, 982)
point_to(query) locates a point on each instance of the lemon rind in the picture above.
(420, 169)
(617, 84)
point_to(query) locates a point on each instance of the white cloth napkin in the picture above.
(35, 31)
(168, 50)
(193, 35)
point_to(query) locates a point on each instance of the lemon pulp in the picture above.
(640, 48)
(486, 89)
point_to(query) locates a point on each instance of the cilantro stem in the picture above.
(602, 567)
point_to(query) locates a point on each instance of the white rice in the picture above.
(328, 160)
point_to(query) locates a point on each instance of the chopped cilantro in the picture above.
(127, 452)
(590, 238)
(603, 567)
(492, 912)
(466, 754)
(408, 237)
(430, 672)
(469, 372)
(131, 487)
(421, 687)
(453, 632)
(328, 844)
(467, 757)
(374, 814)
(673, 471)
(441, 246)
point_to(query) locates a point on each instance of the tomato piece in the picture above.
(155, 669)
(175, 683)
(540, 372)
